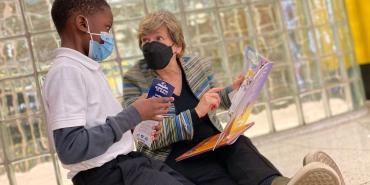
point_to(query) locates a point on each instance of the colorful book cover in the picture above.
(256, 72)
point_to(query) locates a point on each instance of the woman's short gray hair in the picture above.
(153, 21)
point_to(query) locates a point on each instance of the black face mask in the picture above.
(157, 55)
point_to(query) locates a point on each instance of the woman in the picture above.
(192, 116)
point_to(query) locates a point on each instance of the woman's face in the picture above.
(160, 35)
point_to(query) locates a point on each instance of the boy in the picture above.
(86, 124)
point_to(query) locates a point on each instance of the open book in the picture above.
(256, 70)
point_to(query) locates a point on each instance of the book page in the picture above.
(241, 105)
(244, 98)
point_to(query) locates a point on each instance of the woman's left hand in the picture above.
(156, 130)
(238, 81)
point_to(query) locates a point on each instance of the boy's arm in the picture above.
(76, 144)
(65, 96)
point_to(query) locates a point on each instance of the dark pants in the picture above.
(239, 163)
(131, 169)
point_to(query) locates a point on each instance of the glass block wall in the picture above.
(315, 75)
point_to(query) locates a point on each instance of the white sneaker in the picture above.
(315, 173)
(320, 156)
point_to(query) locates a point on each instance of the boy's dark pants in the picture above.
(131, 169)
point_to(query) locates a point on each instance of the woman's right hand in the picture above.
(209, 101)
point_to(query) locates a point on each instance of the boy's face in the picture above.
(99, 21)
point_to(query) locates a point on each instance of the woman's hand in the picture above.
(156, 131)
(237, 82)
(209, 101)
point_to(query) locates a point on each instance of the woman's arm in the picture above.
(175, 128)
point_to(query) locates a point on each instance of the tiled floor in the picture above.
(346, 140)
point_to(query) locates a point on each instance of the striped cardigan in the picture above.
(174, 127)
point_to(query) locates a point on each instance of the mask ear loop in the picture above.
(173, 53)
(88, 28)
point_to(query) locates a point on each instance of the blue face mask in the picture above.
(97, 51)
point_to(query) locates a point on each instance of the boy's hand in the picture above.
(209, 101)
(152, 108)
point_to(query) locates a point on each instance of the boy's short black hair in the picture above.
(63, 9)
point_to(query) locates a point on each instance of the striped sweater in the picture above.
(174, 127)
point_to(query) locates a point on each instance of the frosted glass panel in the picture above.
(170, 5)
(35, 171)
(126, 38)
(235, 51)
(350, 66)
(313, 107)
(344, 37)
(338, 10)
(307, 76)
(3, 176)
(203, 27)
(18, 97)
(25, 138)
(280, 82)
(234, 22)
(259, 116)
(10, 18)
(230, 2)
(44, 45)
(219, 67)
(273, 47)
(319, 11)
(126, 9)
(284, 112)
(265, 17)
(338, 100)
(37, 14)
(331, 70)
(113, 75)
(325, 40)
(198, 4)
(357, 93)
(302, 44)
(293, 13)
(2, 157)
(15, 58)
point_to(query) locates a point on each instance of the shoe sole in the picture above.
(315, 173)
(322, 157)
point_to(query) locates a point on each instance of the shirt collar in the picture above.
(76, 56)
